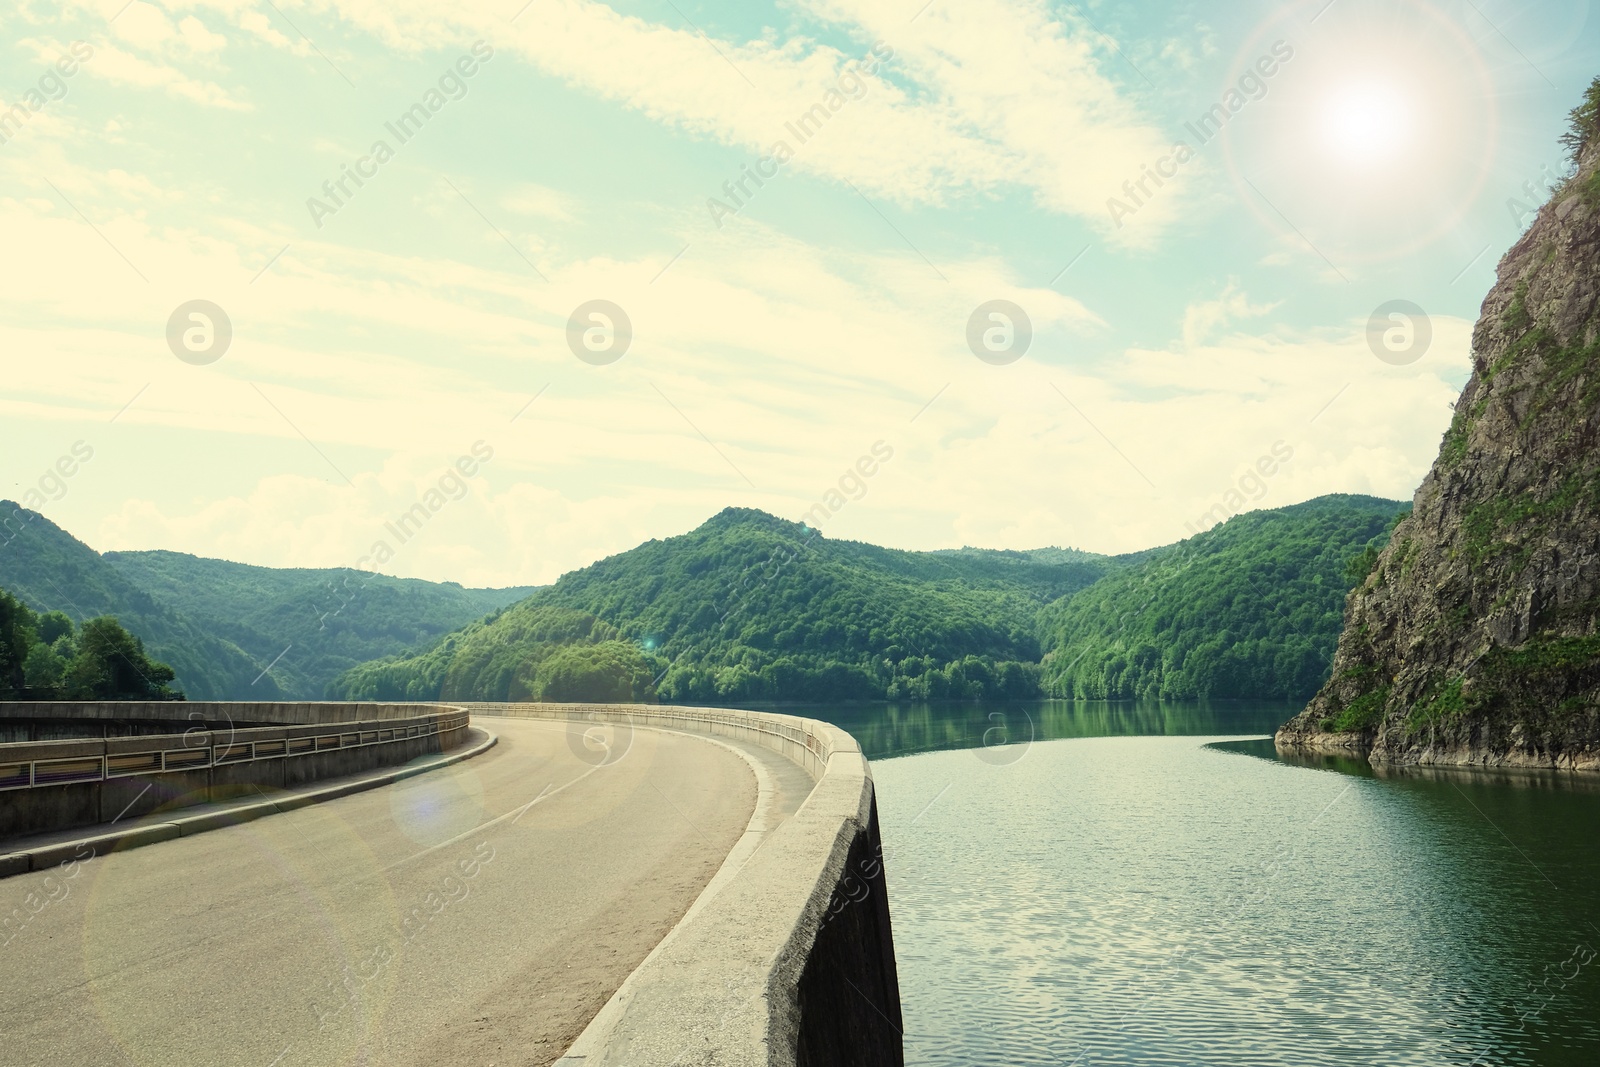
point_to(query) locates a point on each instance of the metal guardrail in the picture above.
(106, 759)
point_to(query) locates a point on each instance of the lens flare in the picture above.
(1366, 124)
(436, 807)
(1376, 134)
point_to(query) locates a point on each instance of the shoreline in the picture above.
(1470, 757)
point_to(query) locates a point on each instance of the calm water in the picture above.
(1122, 890)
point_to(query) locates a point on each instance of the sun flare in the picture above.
(1367, 124)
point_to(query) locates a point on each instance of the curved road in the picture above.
(439, 920)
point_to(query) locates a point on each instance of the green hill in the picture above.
(751, 607)
(1250, 608)
(321, 622)
(220, 624)
(50, 570)
(505, 658)
(748, 607)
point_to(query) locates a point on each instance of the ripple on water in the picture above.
(1146, 900)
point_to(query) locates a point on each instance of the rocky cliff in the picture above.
(1473, 640)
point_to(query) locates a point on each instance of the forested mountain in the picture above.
(1042, 574)
(751, 607)
(220, 624)
(50, 570)
(529, 652)
(321, 622)
(748, 607)
(1250, 608)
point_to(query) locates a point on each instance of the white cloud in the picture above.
(121, 67)
(1186, 52)
(791, 359)
(257, 23)
(539, 202)
(197, 38)
(753, 329)
(144, 26)
(520, 534)
(1205, 316)
(1028, 86)
(972, 100)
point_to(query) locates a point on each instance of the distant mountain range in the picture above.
(749, 607)
(752, 607)
(233, 631)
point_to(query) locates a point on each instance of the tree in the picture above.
(1582, 122)
(53, 626)
(613, 672)
(16, 636)
(1250, 608)
(110, 664)
(46, 667)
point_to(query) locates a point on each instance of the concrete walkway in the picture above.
(479, 914)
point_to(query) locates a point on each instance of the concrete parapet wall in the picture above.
(790, 961)
(61, 785)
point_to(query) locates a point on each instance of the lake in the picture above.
(1090, 883)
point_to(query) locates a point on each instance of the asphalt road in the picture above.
(439, 920)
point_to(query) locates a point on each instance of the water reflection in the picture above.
(1135, 891)
(1263, 748)
(1514, 777)
(888, 730)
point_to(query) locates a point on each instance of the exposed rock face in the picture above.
(1474, 639)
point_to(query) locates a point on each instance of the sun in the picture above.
(1367, 125)
(1376, 137)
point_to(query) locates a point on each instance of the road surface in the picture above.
(439, 920)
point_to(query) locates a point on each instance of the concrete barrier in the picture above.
(61, 785)
(42, 854)
(220, 714)
(790, 961)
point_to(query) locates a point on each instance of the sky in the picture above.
(558, 277)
